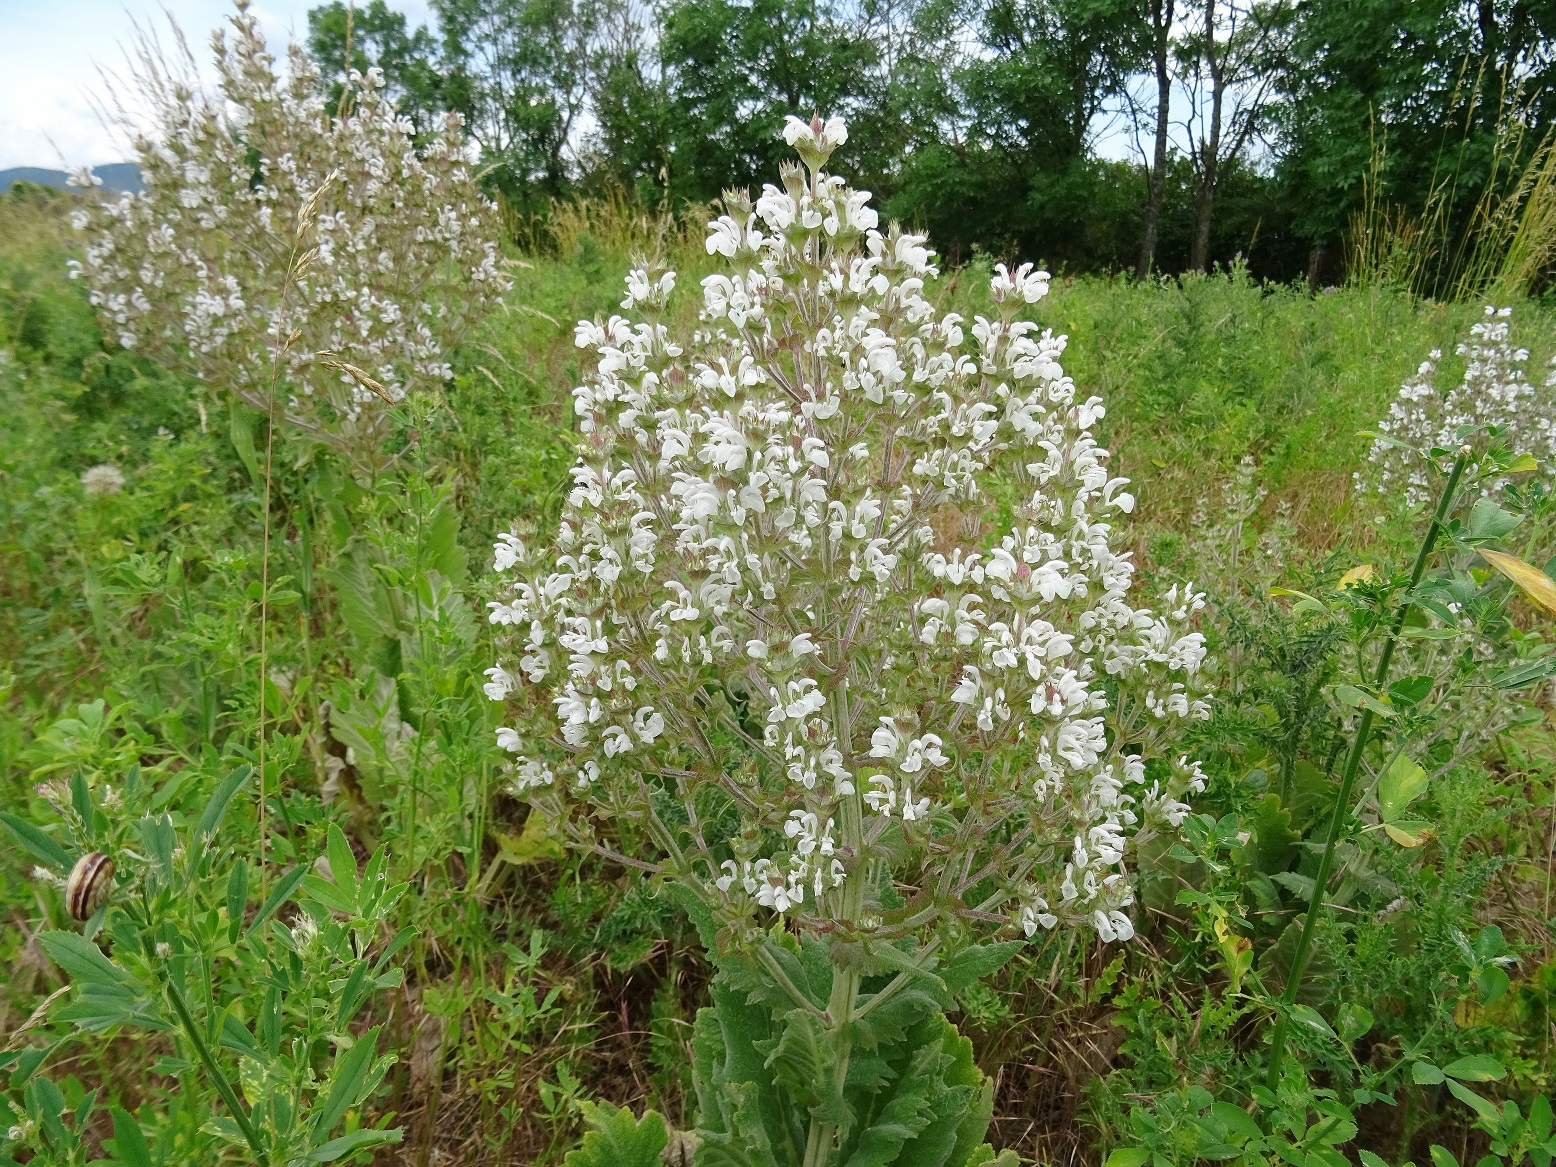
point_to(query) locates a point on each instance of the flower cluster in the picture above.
(103, 479)
(779, 629)
(273, 228)
(1494, 392)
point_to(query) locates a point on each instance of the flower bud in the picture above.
(91, 879)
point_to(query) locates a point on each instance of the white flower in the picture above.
(501, 683)
(775, 567)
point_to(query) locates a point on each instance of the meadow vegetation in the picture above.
(250, 671)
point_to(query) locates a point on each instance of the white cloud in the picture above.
(51, 52)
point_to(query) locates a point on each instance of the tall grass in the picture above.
(1500, 250)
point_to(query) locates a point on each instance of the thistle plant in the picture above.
(1495, 393)
(202, 269)
(782, 657)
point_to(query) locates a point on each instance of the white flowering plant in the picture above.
(778, 641)
(1495, 394)
(308, 259)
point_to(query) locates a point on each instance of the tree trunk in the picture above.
(1210, 147)
(1156, 180)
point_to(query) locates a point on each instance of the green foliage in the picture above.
(905, 1090)
(616, 1139)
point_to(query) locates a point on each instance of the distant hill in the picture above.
(116, 176)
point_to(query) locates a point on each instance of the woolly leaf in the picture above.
(616, 1139)
(805, 1061)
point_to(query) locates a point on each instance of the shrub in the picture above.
(272, 230)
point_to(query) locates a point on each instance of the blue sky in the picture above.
(51, 52)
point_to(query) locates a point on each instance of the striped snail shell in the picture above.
(91, 879)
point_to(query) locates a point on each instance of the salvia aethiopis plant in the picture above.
(274, 227)
(1494, 392)
(783, 655)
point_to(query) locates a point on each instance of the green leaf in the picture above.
(347, 1080)
(616, 1139)
(216, 808)
(1354, 698)
(42, 848)
(81, 800)
(1236, 1120)
(240, 427)
(1368, 1159)
(1312, 1018)
(129, 1143)
(1305, 602)
(237, 896)
(1410, 690)
(160, 840)
(804, 1060)
(1355, 1021)
(1426, 1074)
(977, 962)
(907, 1112)
(1489, 521)
(1442, 1157)
(1128, 1157)
(1476, 1068)
(1525, 673)
(1493, 984)
(236, 1037)
(352, 994)
(278, 895)
(1540, 1117)
(82, 959)
(1300, 885)
(343, 862)
(1481, 1106)
(1401, 784)
(355, 1141)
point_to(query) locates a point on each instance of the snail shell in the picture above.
(91, 879)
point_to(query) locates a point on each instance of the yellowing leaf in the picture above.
(537, 841)
(1402, 783)
(1410, 832)
(1534, 583)
(1361, 573)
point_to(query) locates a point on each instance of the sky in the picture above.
(51, 52)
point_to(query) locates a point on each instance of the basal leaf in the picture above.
(616, 1139)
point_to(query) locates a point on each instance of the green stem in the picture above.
(223, 1087)
(1348, 778)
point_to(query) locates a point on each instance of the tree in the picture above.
(1230, 58)
(519, 70)
(734, 71)
(1012, 172)
(1422, 88)
(378, 37)
(1156, 170)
